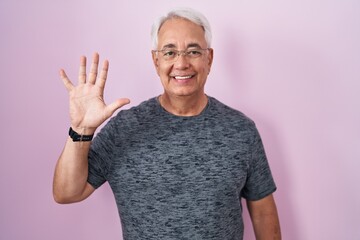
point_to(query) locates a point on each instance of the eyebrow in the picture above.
(193, 45)
(190, 45)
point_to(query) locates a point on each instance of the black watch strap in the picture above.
(79, 138)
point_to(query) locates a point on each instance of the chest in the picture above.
(180, 162)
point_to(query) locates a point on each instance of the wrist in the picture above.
(83, 130)
(80, 136)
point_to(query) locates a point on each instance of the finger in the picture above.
(111, 108)
(68, 84)
(103, 74)
(82, 70)
(94, 68)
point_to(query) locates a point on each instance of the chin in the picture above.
(185, 93)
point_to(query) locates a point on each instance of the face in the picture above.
(185, 76)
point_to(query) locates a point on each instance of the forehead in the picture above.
(181, 33)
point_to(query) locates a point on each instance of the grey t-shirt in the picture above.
(181, 177)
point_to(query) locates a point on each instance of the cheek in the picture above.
(203, 69)
(163, 73)
(163, 70)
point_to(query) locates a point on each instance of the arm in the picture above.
(87, 112)
(264, 218)
(71, 172)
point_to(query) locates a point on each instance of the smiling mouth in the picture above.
(183, 77)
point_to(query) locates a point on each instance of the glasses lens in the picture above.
(172, 55)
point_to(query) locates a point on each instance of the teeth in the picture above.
(182, 77)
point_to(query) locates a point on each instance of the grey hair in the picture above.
(185, 13)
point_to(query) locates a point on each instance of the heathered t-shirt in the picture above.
(181, 177)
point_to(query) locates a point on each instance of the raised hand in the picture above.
(87, 106)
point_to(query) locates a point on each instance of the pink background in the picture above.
(292, 66)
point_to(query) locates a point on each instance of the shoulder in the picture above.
(143, 109)
(229, 115)
(146, 111)
(231, 123)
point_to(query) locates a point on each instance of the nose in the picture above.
(182, 61)
(181, 53)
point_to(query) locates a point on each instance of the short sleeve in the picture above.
(101, 155)
(260, 182)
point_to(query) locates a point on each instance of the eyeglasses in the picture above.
(171, 55)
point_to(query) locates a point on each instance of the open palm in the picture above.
(87, 106)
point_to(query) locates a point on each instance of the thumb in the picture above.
(111, 108)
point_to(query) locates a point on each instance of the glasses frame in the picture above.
(185, 53)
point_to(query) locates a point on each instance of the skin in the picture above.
(182, 97)
(264, 217)
(87, 112)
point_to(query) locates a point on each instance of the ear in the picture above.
(210, 58)
(155, 61)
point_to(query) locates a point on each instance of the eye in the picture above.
(193, 53)
(169, 53)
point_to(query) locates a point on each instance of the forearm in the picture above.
(267, 227)
(265, 218)
(71, 172)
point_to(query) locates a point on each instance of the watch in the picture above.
(79, 138)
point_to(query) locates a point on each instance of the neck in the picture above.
(183, 105)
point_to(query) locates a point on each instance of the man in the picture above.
(179, 163)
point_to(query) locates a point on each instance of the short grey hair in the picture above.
(185, 13)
